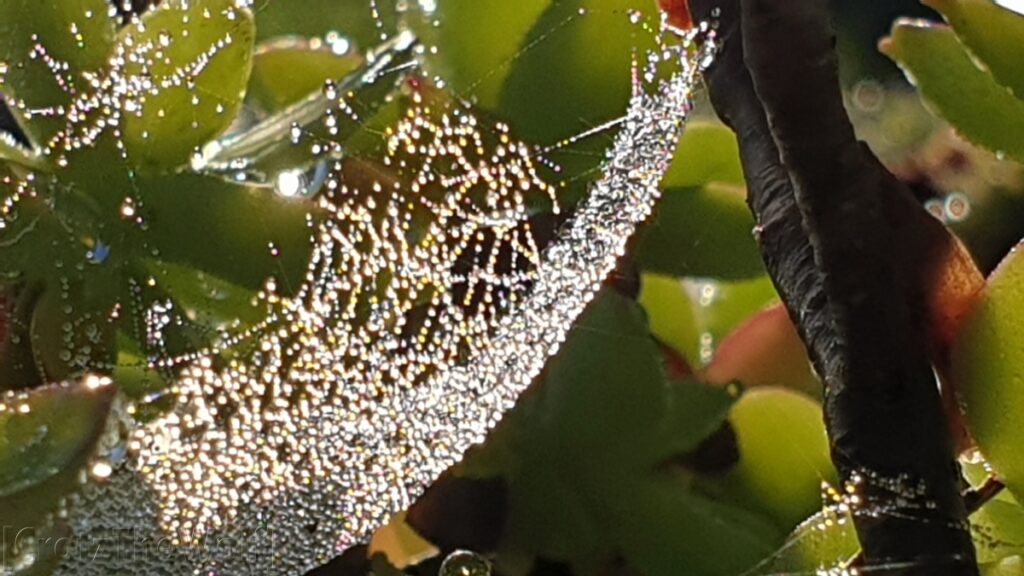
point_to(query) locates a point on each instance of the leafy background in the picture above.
(679, 430)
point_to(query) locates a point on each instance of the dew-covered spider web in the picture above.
(445, 268)
(264, 419)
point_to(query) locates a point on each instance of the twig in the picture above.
(974, 500)
(852, 255)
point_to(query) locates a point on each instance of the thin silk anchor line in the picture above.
(376, 462)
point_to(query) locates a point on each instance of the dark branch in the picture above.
(853, 256)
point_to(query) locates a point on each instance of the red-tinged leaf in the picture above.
(678, 13)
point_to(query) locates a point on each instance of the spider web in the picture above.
(432, 299)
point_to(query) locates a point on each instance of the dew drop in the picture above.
(290, 183)
(338, 43)
(101, 470)
(128, 208)
(330, 91)
(465, 563)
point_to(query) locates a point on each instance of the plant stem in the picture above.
(853, 255)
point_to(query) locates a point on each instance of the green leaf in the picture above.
(63, 319)
(981, 110)
(670, 314)
(706, 232)
(76, 32)
(473, 43)
(1013, 566)
(977, 472)
(986, 359)
(208, 311)
(286, 70)
(205, 298)
(823, 542)
(75, 293)
(132, 373)
(993, 33)
(284, 141)
(707, 152)
(584, 456)
(667, 527)
(351, 20)
(702, 225)
(998, 530)
(239, 234)
(13, 153)
(573, 69)
(47, 436)
(18, 369)
(206, 228)
(784, 454)
(694, 315)
(72, 331)
(194, 57)
(45, 431)
(721, 307)
(35, 232)
(553, 70)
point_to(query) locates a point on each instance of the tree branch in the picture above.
(854, 258)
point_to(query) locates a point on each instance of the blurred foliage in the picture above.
(860, 25)
(946, 75)
(586, 460)
(678, 433)
(989, 371)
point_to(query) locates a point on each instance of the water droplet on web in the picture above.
(302, 183)
(330, 91)
(290, 183)
(465, 563)
(101, 470)
(128, 208)
(23, 558)
(338, 43)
